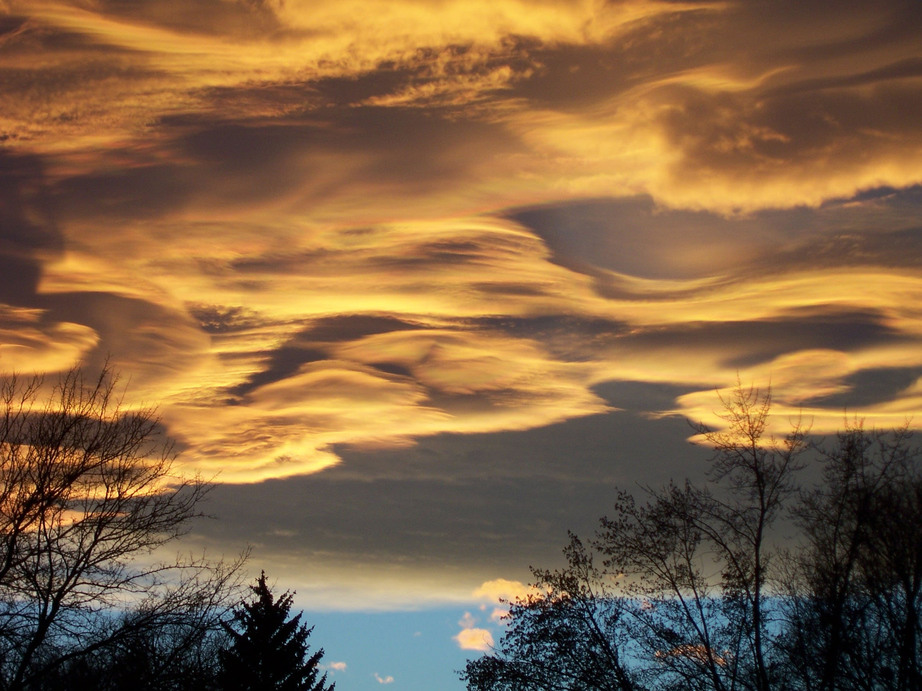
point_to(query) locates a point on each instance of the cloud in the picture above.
(425, 250)
(384, 680)
(480, 640)
(169, 53)
(31, 342)
(756, 126)
(503, 592)
(475, 639)
(268, 358)
(501, 589)
(404, 365)
(472, 638)
(336, 666)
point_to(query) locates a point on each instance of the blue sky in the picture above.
(414, 649)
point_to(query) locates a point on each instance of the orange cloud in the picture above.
(451, 359)
(226, 185)
(29, 344)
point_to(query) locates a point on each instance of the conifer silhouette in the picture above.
(269, 651)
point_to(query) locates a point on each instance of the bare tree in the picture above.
(854, 596)
(700, 558)
(87, 494)
(686, 593)
(690, 590)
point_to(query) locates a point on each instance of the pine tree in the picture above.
(269, 651)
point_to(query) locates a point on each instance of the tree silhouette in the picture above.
(269, 651)
(87, 493)
(707, 586)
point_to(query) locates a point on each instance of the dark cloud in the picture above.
(899, 249)
(802, 134)
(11, 24)
(249, 102)
(869, 387)
(276, 263)
(627, 235)
(490, 504)
(147, 191)
(416, 256)
(29, 233)
(385, 79)
(316, 342)
(237, 163)
(641, 397)
(506, 288)
(572, 78)
(901, 69)
(759, 341)
(635, 236)
(569, 338)
(856, 28)
(412, 146)
(350, 327)
(218, 319)
(478, 252)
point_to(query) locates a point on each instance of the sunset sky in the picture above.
(420, 282)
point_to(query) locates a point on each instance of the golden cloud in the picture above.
(472, 638)
(313, 160)
(475, 639)
(260, 397)
(501, 589)
(30, 344)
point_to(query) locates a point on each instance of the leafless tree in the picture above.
(854, 593)
(699, 557)
(690, 588)
(88, 493)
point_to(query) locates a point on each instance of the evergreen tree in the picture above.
(269, 651)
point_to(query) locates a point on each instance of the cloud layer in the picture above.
(322, 233)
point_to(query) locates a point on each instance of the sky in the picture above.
(419, 283)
